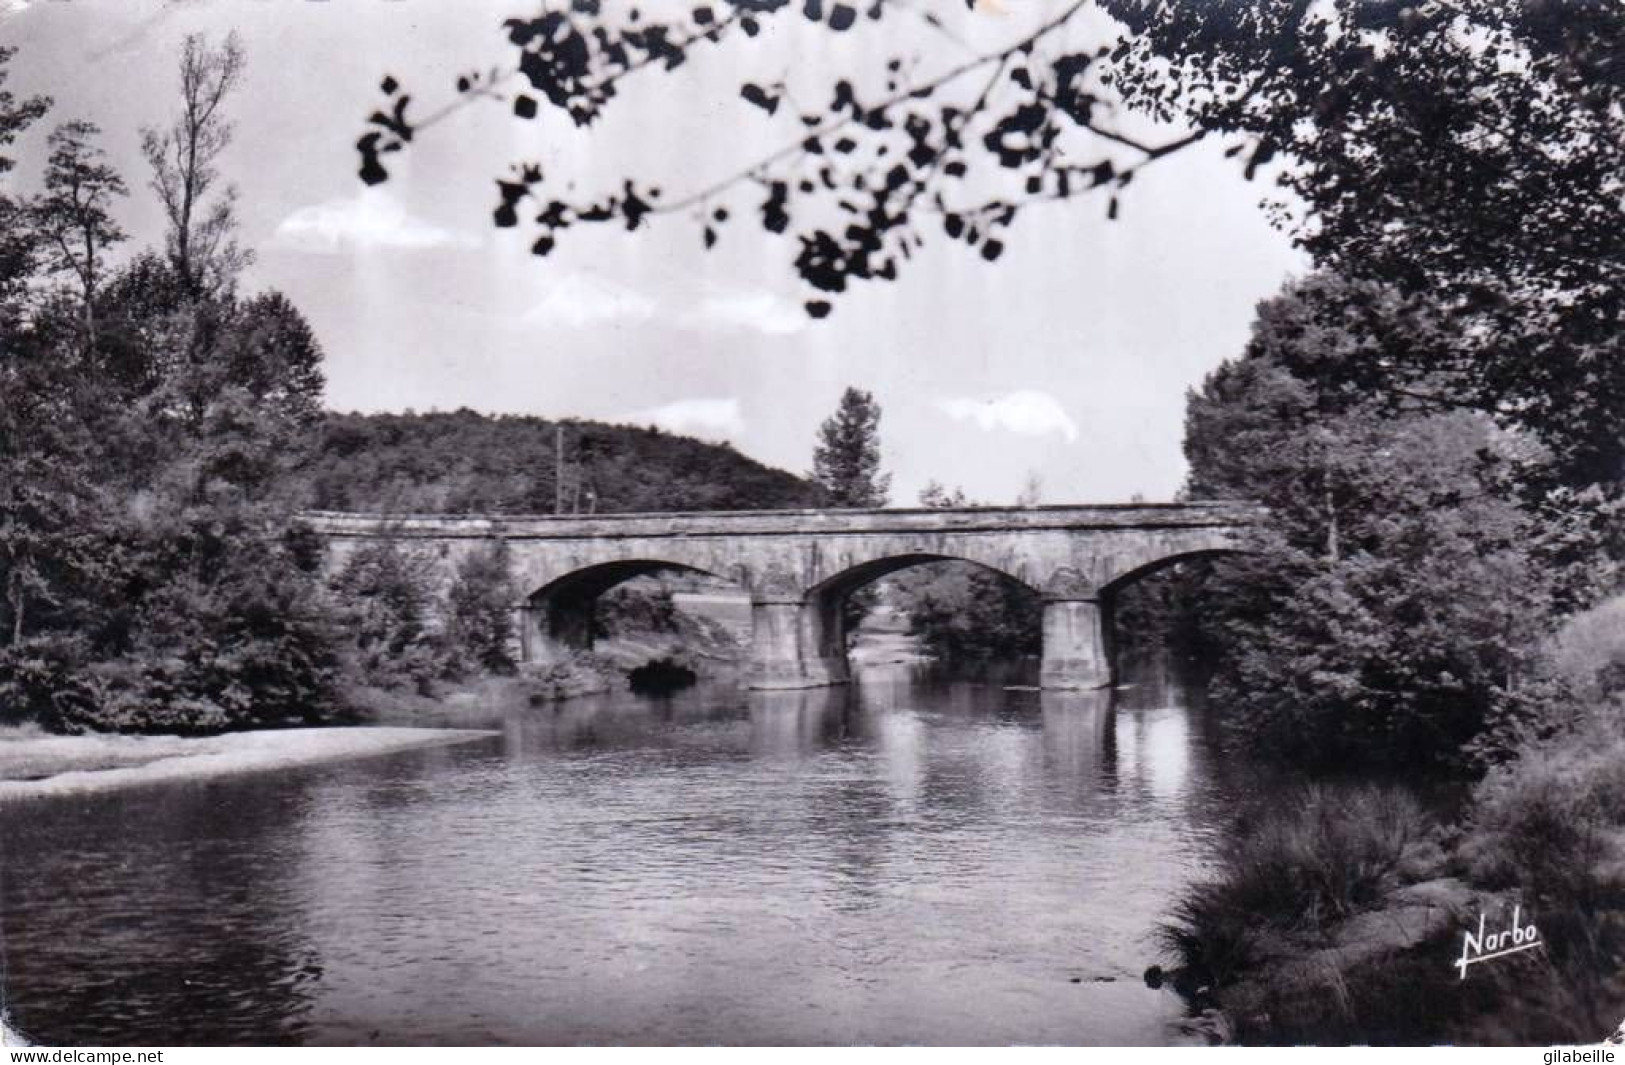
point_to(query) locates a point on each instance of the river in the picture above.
(903, 860)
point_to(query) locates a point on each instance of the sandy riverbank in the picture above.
(34, 764)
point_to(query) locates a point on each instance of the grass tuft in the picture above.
(1321, 856)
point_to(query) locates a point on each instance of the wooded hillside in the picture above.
(467, 462)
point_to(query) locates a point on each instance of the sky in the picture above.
(1069, 359)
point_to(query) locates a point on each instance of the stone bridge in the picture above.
(798, 566)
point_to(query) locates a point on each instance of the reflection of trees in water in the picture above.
(157, 916)
(613, 720)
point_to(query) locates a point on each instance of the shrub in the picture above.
(962, 611)
(1398, 655)
(1589, 650)
(641, 605)
(1317, 856)
(479, 613)
(384, 593)
(237, 634)
(1551, 822)
(42, 680)
(1550, 827)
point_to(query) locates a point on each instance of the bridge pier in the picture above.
(1075, 656)
(790, 646)
(549, 630)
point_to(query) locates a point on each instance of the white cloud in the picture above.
(1026, 412)
(708, 416)
(580, 301)
(373, 218)
(759, 310)
(584, 300)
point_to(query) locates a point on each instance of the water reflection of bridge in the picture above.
(1099, 742)
(798, 567)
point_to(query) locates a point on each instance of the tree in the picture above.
(200, 240)
(74, 215)
(937, 496)
(16, 236)
(846, 472)
(1392, 607)
(149, 577)
(15, 115)
(273, 354)
(479, 612)
(386, 595)
(1466, 156)
(846, 460)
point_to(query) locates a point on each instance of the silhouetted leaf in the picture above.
(1261, 155)
(372, 171)
(759, 96)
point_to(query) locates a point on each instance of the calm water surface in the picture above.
(899, 861)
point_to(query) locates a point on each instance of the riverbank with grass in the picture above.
(1338, 914)
(35, 764)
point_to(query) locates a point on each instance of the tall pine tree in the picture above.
(846, 461)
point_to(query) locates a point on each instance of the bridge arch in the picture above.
(1092, 620)
(823, 620)
(1148, 568)
(559, 614)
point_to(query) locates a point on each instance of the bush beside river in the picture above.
(1335, 913)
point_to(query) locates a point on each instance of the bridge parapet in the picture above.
(787, 522)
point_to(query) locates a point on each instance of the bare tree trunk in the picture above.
(19, 604)
(1333, 548)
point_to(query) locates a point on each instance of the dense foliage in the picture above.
(960, 612)
(464, 462)
(1465, 158)
(1396, 600)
